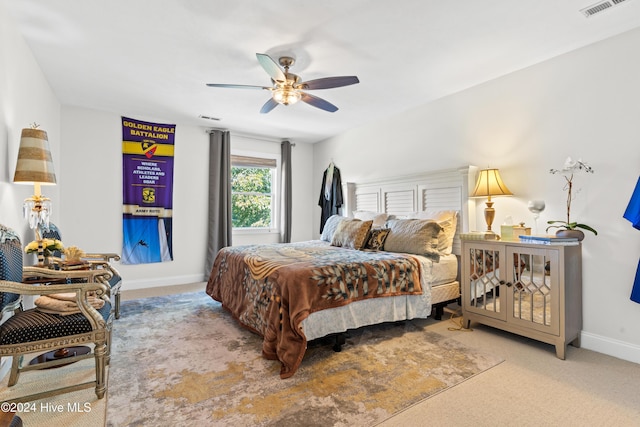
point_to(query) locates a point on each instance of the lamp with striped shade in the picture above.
(35, 166)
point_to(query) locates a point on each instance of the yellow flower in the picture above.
(48, 246)
(31, 247)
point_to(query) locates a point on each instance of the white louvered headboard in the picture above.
(440, 190)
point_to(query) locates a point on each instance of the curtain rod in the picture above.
(246, 135)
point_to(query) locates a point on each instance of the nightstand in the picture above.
(528, 289)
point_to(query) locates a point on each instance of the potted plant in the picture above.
(570, 228)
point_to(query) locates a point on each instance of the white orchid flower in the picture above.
(570, 166)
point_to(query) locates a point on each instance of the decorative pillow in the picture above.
(448, 220)
(351, 233)
(445, 238)
(378, 218)
(330, 226)
(375, 241)
(414, 236)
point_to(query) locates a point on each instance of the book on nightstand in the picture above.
(479, 235)
(549, 240)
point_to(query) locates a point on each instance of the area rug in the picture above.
(183, 360)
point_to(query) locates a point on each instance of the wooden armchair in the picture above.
(34, 330)
(95, 260)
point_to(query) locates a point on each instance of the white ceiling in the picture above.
(151, 59)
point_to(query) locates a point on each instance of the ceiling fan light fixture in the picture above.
(286, 96)
(288, 88)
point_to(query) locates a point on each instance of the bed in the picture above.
(294, 293)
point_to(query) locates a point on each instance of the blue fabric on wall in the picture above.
(632, 213)
(635, 292)
(633, 209)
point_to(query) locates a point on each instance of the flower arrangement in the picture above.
(48, 246)
(570, 167)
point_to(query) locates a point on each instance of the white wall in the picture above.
(91, 195)
(582, 104)
(25, 98)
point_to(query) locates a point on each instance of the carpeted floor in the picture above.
(77, 409)
(530, 388)
(182, 360)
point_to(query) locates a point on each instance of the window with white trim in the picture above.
(253, 192)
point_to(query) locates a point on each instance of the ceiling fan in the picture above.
(288, 88)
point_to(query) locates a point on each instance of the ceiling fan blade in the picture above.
(271, 67)
(268, 106)
(328, 82)
(237, 86)
(319, 103)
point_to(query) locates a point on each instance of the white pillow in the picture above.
(379, 219)
(448, 220)
(330, 226)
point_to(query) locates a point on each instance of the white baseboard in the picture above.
(132, 285)
(609, 346)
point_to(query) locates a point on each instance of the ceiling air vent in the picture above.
(600, 7)
(209, 118)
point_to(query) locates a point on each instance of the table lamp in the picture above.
(35, 166)
(489, 184)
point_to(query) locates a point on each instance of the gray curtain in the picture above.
(285, 224)
(220, 228)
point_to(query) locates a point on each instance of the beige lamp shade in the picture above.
(490, 183)
(34, 165)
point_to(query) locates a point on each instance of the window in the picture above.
(253, 192)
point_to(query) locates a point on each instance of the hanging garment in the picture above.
(329, 181)
(632, 213)
(330, 194)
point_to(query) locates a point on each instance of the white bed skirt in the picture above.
(438, 284)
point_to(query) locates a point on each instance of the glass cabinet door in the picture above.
(532, 288)
(481, 265)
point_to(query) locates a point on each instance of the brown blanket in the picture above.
(271, 289)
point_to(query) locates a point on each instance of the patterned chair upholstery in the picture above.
(32, 331)
(97, 260)
(10, 269)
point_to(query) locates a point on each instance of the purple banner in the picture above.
(147, 167)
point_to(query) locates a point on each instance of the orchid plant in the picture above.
(568, 170)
